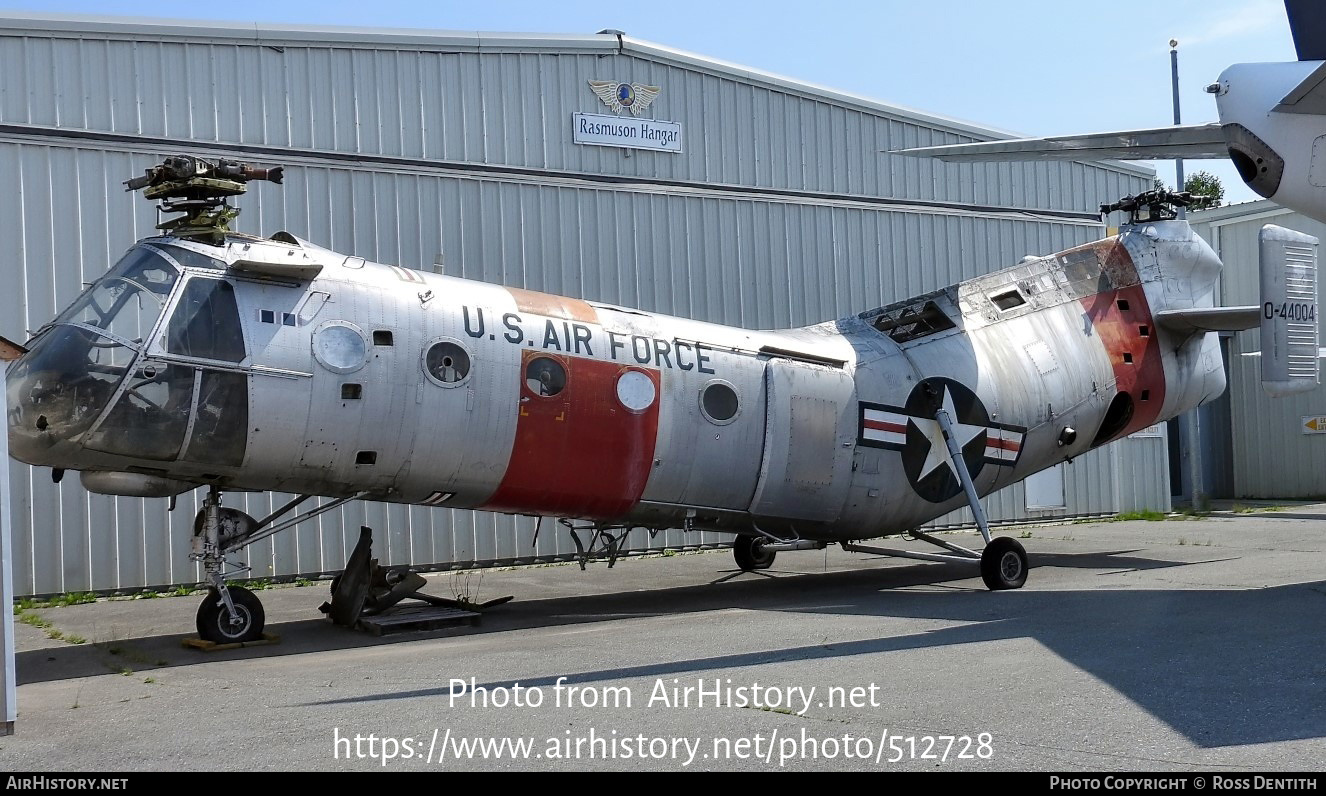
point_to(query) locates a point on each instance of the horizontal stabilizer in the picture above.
(1159, 143)
(1210, 319)
(1289, 327)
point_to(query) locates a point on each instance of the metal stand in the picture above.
(8, 691)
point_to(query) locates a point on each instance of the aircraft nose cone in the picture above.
(29, 430)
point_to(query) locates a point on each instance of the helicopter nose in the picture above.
(54, 393)
(30, 437)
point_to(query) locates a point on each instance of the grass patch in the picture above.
(73, 639)
(252, 585)
(73, 598)
(1149, 515)
(1241, 509)
(34, 620)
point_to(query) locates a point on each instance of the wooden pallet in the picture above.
(193, 642)
(416, 619)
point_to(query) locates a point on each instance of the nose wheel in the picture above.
(218, 624)
(233, 614)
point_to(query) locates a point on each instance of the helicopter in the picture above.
(208, 358)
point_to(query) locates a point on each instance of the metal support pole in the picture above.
(1190, 430)
(8, 690)
(960, 467)
(1174, 85)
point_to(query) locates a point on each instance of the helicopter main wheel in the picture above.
(751, 553)
(215, 623)
(1004, 564)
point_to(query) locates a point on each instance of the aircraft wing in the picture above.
(9, 350)
(1193, 141)
(1308, 96)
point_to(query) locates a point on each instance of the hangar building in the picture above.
(597, 166)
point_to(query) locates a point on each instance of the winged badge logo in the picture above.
(620, 96)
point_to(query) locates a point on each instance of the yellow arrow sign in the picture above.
(1314, 425)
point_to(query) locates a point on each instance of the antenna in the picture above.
(199, 189)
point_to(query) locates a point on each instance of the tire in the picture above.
(750, 553)
(214, 620)
(1004, 564)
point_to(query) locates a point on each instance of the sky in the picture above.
(1033, 67)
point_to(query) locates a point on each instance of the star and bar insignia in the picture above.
(913, 431)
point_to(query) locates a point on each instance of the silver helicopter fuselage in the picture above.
(274, 364)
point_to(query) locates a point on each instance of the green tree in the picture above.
(1206, 190)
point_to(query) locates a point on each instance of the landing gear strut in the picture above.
(232, 614)
(1003, 561)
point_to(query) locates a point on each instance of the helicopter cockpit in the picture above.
(146, 364)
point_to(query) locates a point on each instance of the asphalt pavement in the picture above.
(1177, 644)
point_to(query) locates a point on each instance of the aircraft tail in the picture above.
(1291, 361)
(1287, 316)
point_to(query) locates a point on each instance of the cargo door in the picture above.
(585, 437)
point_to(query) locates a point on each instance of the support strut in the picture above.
(964, 476)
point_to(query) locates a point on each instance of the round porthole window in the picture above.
(340, 347)
(447, 363)
(636, 390)
(545, 376)
(719, 402)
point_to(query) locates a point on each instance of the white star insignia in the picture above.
(938, 454)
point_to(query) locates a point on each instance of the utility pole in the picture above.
(1190, 432)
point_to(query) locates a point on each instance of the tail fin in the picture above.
(1289, 328)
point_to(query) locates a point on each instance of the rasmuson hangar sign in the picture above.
(600, 130)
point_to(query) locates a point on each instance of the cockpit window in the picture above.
(64, 382)
(150, 418)
(205, 323)
(191, 258)
(127, 301)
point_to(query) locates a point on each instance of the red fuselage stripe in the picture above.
(880, 425)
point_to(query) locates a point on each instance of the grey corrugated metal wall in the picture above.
(1271, 456)
(500, 101)
(765, 259)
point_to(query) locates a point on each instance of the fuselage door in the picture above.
(808, 442)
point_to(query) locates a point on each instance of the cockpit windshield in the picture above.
(127, 301)
(76, 365)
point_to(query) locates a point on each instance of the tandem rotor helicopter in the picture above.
(209, 358)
